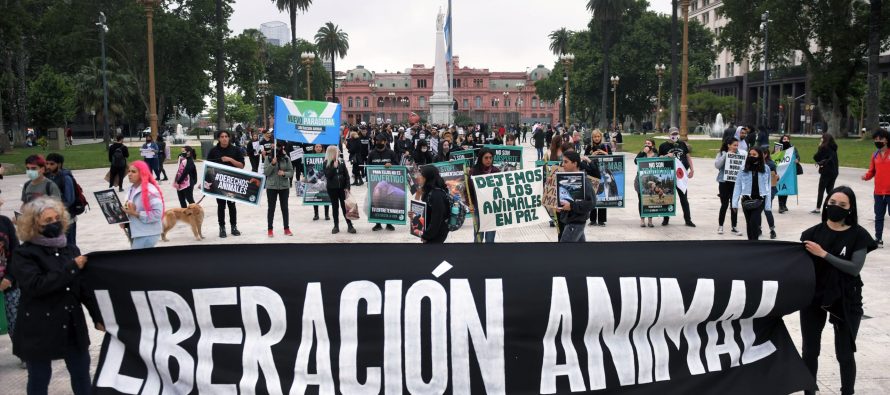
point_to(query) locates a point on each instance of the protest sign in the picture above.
(570, 186)
(111, 207)
(388, 194)
(610, 192)
(417, 209)
(733, 165)
(509, 199)
(786, 168)
(467, 155)
(455, 176)
(308, 122)
(539, 163)
(549, 199)
(315, 185)
(657, 178)
(506, 157)
(232, 184)
(507, 318)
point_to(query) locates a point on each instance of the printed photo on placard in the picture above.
(571, 186)
(111, 207)
(388, 194)
(454, 173)
(417, 211)
(315, 185)
(658, 178)
(507, 157)
(610, 192)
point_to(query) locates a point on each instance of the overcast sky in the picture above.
(500, 35)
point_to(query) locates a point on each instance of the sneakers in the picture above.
(222, 232)
(390, 227)
(592, 223)
(351, 229)
(377, 227)
(665, 221)
(327, 217)
(235, 231)
(271, 234)
(602, 224)
(772, 234)
(735, 232)
(816, 211)
(335, 230)
(287, 232)
(690, 224)
(650, 224)
(719, 230)
(782, 209)
(880, 243)
(315, 218)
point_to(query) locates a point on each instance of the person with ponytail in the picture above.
(145, 206)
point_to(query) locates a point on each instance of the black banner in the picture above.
(505, 319)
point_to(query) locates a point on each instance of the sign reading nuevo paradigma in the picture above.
(506, 319)
(308, 122)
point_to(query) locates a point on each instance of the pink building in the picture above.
(482, 95)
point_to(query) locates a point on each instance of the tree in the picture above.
(885, 97)
(89, 92)
(874, 52)
(237, 110)
(292, 6)
(246, 55)
(52, 99)
(838, 27)
(559, 41)
(607, 14)
(705, 105)
(332, 43)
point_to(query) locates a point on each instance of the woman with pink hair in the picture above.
(145, 206)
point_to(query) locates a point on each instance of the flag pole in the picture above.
(451, 61)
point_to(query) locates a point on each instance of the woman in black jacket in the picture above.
(423, 156)
(51, 323)
(186, 177)
(403, 145)
(338, 186)
(826, 161)
(437, 209)
(354, 146)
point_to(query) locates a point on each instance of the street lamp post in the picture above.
(263, 87)
(684, 99)
(659, 71)
(308, 59)
(764, 24)
(615, 79)
(506, 105)
(520, 86)
(93, 114)
(103, 28)
(373, 87)
(152, 101)
(567, 59)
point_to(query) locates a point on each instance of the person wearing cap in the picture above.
(680, 150)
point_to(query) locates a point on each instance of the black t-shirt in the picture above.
(842, 245)
(216, 153)
(679, 149)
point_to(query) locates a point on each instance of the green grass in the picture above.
(86, 156)
(852, 152)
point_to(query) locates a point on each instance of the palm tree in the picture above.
(606, 13)
(89, 93)
(332, 43)
(559, 41)
(874, 52)
(292, 6)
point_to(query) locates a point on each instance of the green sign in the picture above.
(316, 192)
(657, 182)
(387, 194)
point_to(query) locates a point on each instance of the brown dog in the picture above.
(192, 215)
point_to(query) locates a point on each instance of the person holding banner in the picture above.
(186, 177)
(648, 151)
(9, 289)
(278, 174)
(880, 160)
(752, 192)
(149, 152)
(597, 147)
(726, 188)
(338, 186)
(438, 209)
(354, 147)
(839, 246)
(422, 155)
(444, 154)
(484, 165)
(51, 324)
(253, 151)
(573, 214)
(145, 207)
(318, 149)
(680, 150)
(785, 140)
(227, 154)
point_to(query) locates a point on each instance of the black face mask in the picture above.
(836, 213)
(52, 230)
(879, 144)
(786, 145)
(380, 146)
(753, 162)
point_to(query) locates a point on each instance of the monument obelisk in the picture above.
(440, 102)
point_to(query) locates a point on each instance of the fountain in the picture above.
(717, 129)
(178, 136)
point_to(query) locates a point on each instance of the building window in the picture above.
(478, 102)
(421, 83)
(466, 103)
(455, 83)
(534, 102)
(705, 3)
(717, 12)
(477, 83)
(534, 115)
(421, 101)
(717, 72)
(706, 17)
(506, 102)
(730, 69)
(350, 102)
(366, 102)
(694, 5)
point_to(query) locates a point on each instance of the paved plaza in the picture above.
(873, 342)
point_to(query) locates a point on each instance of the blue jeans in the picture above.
(882, 202)
(144, 242)
(40, 372)
(540, 153)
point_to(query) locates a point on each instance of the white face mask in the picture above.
(675, 138)
(32, 174)
(423, 150)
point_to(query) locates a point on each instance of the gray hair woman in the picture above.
(51, 324)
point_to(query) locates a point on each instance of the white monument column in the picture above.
(441, 107)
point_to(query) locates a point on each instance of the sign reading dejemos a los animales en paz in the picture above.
(509, 199)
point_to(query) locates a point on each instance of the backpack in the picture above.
(117, 158)
(80, 201)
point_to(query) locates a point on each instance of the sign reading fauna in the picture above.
(498, 322)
